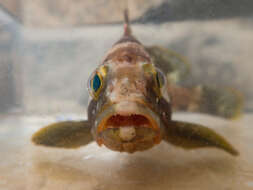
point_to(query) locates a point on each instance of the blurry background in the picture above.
(49, 48)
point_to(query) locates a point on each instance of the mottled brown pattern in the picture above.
(129, 52)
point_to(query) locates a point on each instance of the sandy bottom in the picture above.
(25, 166)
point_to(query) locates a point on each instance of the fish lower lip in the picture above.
(142, 138)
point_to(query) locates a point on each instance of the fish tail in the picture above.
(127, 28)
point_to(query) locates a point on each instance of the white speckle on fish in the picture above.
(112, 96)
(109, 92)
(114, 82)
(125, 80)
(142, 63)
(165, 94)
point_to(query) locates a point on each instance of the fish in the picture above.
(130, 108)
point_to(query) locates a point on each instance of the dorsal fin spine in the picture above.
(127, 28)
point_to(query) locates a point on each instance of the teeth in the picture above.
(127, 133)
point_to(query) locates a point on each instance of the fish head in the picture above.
(128, 95)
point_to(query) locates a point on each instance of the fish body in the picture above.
(130, 109)
(132, 98)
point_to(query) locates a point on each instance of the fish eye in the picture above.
(160, 78)
(160, 81)
(95, 82)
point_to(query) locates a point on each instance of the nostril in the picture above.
(127, 133)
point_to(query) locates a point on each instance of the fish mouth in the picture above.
(128, 127)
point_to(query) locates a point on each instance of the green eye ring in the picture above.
(96, 82)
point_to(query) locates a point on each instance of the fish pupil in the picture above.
(96, 83)
(158, 81)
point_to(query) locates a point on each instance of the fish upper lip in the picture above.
(131, 120)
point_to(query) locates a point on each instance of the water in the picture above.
(45, 63)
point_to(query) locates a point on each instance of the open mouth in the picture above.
(128, 126)
(127, 121)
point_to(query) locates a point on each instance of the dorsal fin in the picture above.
(127, 48)
(127, 35)
(127, 28)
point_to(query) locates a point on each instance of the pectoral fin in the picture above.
(190, 136)
(67, 134)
